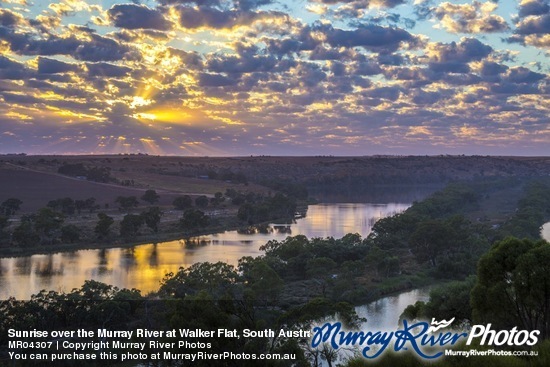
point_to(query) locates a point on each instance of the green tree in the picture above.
(320, 267)
(193, 219)
(65, 205)
(446, 301)
(86, 204)
(70, 233)
(47, 223)
(217, 279)
(431, 239)
(388, 266)
(129, 226)
(4, 223)
(183, 202)
(513, 286)
(127, 202)
(201, 201)
(263, 283)
(217, 199)
(151, 217)
(10, 206)
(24, 234)
(150, 197)
(103, 225)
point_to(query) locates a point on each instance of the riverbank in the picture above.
(226, 224)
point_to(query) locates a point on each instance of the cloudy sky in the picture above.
(276, 77)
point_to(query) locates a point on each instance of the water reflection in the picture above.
(384, 313)
(545, 231)
(144, 266)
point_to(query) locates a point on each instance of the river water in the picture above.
(144, 266)
(545, 231)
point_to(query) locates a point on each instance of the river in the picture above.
(545, 231)
(144, 266)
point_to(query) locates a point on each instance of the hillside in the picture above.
(35, 179)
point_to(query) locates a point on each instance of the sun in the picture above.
(176, 116)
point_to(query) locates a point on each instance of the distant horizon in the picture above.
(270, 155)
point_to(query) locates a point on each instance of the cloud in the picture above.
(96, 48)
(372, 37)
(101, 48)
(251, 4)
(421, 97)
(364, 3)
(533, 7)
(489, 69)
(215, 80)
(352, 79)
(522, 75)
(103, 69)
(241, 64)
(12, 70)
(188, 2)
(69, 7)
(366, 67)
(350, 9)
(51, 66)
(387, 93)
(301, 40)
(190, 60)
(468, 49)
(475, 17)
(10, 19)
(533, 24)
(132, 16)
(206, 17)
(449, 67)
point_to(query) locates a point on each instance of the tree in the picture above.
(24, 235)
(431, 239)
(388, 266)
(182, 202)
(217, 279)
(47, 222)
(65, 205)
(446, 301)
(217, 199)
(10, 206)
(99, 174)
(150, 197)
(151, 217)
(70, 233)
(201, 201)
(262, 282)
(86, 204)
(194, 218)
(129, 226)
(320, 267)
(4, 223)
(126, 202)
(513, 286)
(76, 169)
(103, 225)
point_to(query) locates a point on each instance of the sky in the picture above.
(275, 77)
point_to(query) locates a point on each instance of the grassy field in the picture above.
(37, 187)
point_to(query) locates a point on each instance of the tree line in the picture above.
(56, 223)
